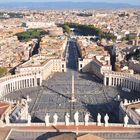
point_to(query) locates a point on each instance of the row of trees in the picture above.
(88, 30)
(31, 34)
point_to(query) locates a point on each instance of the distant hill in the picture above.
(63, 5)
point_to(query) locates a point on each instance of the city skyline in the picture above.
(107, 1)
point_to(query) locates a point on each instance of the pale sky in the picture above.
(134, 2)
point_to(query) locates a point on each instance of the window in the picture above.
(63, 66)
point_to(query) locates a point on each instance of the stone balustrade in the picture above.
(71, 124)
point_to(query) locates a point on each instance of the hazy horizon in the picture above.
(137, 2)
(63, 4)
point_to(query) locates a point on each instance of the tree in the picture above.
(3, 71)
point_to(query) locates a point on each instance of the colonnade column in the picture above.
(35, 81)
(24, 83)
(32, 82)
(110, 81)
(105, 80)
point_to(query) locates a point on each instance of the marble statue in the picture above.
(76, 118)
(67, 119)
(99, 119)
(29, 119)
(106, 119)
(28, 98)
(26, 110)
(126, 120)
(47, 121)
(87, 115)
(118, 97)
(55, 119)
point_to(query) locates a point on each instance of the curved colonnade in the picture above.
(25, 79)
(123, 80)
(19, 81)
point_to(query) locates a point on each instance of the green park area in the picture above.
(86, 30)
(31, 34)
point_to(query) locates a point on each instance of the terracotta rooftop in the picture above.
(3, 133)
(81, 128)
(3, 108)
(65, 136)
(62, 132)
(89, 137)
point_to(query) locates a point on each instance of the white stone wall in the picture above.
(47, 70)
(53, 65)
